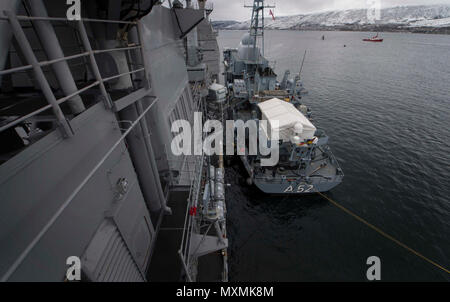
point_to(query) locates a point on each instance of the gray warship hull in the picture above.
(322, 175)
(86, 172)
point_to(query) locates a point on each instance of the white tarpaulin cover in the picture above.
(287, 116)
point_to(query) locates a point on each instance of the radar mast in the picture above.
(257, 23)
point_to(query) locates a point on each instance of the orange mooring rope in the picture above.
(381, 232)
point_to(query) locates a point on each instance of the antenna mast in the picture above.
(257, 28)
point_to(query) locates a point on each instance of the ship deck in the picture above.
(166, 265)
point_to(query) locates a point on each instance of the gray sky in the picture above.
(234, 10)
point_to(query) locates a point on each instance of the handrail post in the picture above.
(40, 77)
(50, 43)
(144, 58)
(87, 46)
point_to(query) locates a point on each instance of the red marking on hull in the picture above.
(373, 40)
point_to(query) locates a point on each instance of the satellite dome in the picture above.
(295, 139)
(298, 128)
(246, 50)
(246, 39)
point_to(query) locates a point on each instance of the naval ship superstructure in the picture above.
(86, 169)
(306, 163)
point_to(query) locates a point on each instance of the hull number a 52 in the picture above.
(302, 188)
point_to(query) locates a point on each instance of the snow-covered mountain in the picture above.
(401, 16)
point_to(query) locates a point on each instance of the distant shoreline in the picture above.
(384, 28)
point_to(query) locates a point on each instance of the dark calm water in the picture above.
(386, 108)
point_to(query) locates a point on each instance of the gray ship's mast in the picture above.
(201, 4)
(207, 8)
(257, 22)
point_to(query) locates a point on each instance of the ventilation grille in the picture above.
(108, 259)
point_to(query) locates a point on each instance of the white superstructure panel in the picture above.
(282, 117)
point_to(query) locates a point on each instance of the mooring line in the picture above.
(381, 232)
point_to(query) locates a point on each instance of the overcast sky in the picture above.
(233, 9)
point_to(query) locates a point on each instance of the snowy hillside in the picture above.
(402, 16)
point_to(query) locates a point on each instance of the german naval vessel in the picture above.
(89, 187)
(306, 163)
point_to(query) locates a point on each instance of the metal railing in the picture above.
(72, 196)
(190, 222)
(54, 104)
(196, 224)
(37, 66)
